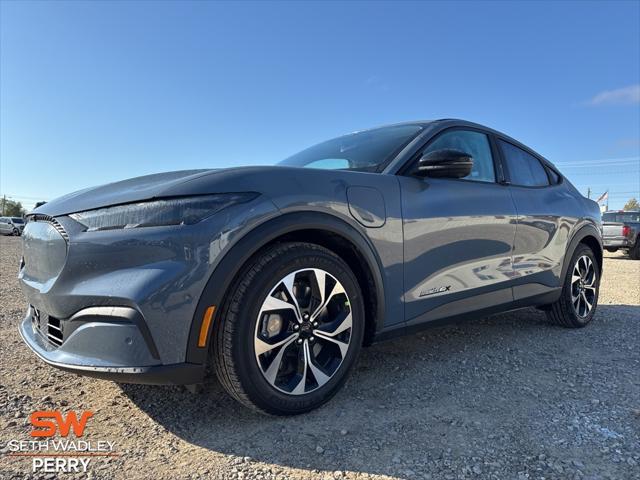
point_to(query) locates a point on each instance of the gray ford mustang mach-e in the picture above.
(276, 276)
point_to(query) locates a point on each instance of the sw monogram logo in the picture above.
(47, 422)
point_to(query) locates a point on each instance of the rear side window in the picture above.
(524, 169)
(622, 217)
(474, 143)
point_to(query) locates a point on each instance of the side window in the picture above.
(524, 169)
(474, 143)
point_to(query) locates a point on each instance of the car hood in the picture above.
(126, 191)
(269, 180)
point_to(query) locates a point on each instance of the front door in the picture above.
(458, 234)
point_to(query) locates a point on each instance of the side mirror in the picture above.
(445, 163)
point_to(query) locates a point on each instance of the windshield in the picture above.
(622, 217)
(17, 220)
(369, 150)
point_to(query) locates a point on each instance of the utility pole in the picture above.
(588, 192)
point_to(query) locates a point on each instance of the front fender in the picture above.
(232, 262)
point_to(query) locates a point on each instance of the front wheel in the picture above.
(290, 331)
(579, 297)
(16, 232)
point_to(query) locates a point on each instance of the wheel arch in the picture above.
(321, 229)
(588, 235)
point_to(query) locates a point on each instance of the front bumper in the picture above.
(122, 303)
(104, 343)
(159, 272)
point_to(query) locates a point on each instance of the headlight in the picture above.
(170, 211)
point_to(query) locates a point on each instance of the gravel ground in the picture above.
(511, 396)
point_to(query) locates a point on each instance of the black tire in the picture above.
(234, 356)
(634, 253)
(612, 250)
(16, 232)
(563, 311)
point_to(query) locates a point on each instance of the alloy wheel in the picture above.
(303, 331)
(583, 286)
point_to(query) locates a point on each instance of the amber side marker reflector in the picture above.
(206, 323)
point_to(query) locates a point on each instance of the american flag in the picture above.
(603, 197)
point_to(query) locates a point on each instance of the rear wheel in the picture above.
(579, 297)
(634, 252)
(290, 330)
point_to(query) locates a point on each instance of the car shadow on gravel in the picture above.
(404, 405)
(613, 256)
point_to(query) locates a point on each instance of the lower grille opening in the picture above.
(49, 327)
(54, 333)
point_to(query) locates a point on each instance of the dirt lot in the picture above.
(511, 396)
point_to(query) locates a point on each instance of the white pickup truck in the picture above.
(620, 231)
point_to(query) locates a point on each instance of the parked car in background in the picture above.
(278, 275)
(11, 225)
(620, 231)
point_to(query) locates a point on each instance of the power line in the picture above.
(25, 197)
(618, 192)
(604, 160)
(599, 162)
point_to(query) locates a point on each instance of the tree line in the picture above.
(11, 208)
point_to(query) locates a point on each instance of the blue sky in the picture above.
(93, 92)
